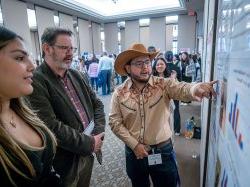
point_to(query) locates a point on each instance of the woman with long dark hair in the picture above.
(27, 146)
(160, 68)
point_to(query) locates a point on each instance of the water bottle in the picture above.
(190, 123)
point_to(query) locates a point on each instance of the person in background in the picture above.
(152, 49)
(93, 74)
(27, 146)
(197, 75)
(185, 61)
(105, 69)
(116, 75)
(175, 70)
(177, 63)
(139, 117)
(66, 103)
(82, 67)
(160, 69)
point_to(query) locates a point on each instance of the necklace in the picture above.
(11, 122)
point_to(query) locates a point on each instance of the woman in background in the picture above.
(93, 74)
(27, 146)
(160, 69)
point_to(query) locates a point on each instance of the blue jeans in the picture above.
(94, 83)
(162, 175)
(177, 117)
(106, 75)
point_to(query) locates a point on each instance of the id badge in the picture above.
(154, 159)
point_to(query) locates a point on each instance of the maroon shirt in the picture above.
(71, 92)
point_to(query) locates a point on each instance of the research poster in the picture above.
(229, 143)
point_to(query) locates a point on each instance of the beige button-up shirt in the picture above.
(144, 116)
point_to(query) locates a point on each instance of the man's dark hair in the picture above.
(169, 56)
(50, 34)
(151, 49)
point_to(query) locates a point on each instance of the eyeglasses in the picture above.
(139, 64)
(66, 48)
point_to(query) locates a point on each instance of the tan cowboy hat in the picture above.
(136, 50)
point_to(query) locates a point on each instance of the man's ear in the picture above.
(128, 68)
(46, 48)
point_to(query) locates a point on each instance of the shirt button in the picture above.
(77, 110)
(66, 87)
(71, 98)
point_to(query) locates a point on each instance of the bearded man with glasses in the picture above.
(140, 117)
(64, 100)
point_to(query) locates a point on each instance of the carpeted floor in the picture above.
(112, 172)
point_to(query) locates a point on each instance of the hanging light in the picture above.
(115, 1)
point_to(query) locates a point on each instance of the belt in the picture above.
(159, 145)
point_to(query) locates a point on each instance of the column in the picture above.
(96, 38)
(144, 36)
(169, 37)
(111, 37)
(157, 30)
(44, 19)
(84, 36)
(16, 19)
(132, 33)
(186, 33)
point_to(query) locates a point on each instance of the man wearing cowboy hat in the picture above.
(139, 117)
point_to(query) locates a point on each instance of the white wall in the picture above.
(186, 32)
(16, 19)
(111, 37)
(122, 31)
(84, 36)
(66, 21)
(169, 37)
(44, 19)
(157, 36)
(96, 34)
(131, 33)
(144, 36)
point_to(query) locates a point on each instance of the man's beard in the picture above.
(139, 79)
(60, 63)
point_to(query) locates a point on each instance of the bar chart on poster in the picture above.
(229, 140)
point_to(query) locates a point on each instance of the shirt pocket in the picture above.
(155, 100)
(128, 109)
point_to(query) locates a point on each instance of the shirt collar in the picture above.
(150, 82)
(58, 76)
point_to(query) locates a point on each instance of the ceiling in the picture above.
(103, 11)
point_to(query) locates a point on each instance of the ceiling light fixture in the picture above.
(115, 1)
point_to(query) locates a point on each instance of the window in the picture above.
(144, 22)
(175, 30)
(171, 19)
(175, 47)
(102, 40)
(1, 16)
(32, 18)
(119, 37)
(56, 21)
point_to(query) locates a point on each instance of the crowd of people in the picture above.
(52, 122)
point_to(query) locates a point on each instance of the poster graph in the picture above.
(233, 120)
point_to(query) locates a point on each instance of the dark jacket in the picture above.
(59, 114)
(175, 67)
